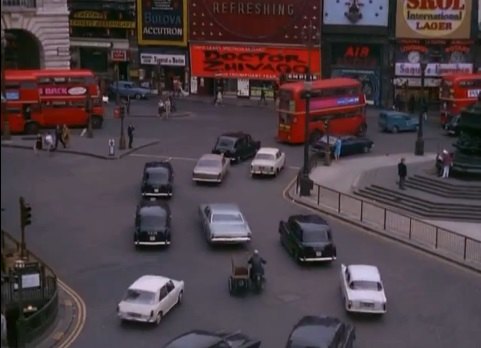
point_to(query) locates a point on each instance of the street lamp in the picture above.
(419, 145)
(307, 96)
(120, 108)
(6, 125)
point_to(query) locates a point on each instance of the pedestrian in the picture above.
(38, 143)
(65, 136)
(263, 96)
(128, 105)
(412, 104)
(58, 137)
(4, 334)
(218, 99)
(168, 105)
(447, 162)
(49, 142)
(337, 149)
(402, 172)
(130, 133)
(398, 102)
(160, 107)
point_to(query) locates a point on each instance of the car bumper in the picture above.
(163, 242)
(157, 194)
(225, 240)
(317, 259)
(207, 179)
(365, 310)
(142, 319)
(262, 172)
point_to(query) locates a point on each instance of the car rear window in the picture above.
(224, 217)
(365, 285)
(139, 296)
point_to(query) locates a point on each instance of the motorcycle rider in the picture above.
(256, 262)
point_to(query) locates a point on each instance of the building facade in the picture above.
(355, 43)
(477, 35)
(36, 34)
(445, 44)
(102, 38)
(162, 39)
(242, 47)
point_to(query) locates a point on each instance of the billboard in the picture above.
(419, 19)
(162, 22)
(258, 63)
(258, 21)
(356, 13)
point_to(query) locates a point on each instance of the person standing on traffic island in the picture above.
(337, 149)
(402, 172)
(130, 134)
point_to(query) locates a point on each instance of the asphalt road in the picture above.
(83, 214)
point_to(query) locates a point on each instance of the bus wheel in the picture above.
(31, 128)
(315, 135)
(97, 122)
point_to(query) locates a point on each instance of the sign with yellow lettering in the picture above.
(162, 22)
(98, 19)
(433, 19)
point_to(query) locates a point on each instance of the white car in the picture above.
(150, 298)
(362, 289)
(268, 161)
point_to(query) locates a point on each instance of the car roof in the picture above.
(364, 272)
(157, 164)
(207, 339)
(308, 219)
(211, 156)
(224, 207)
(157, 203)
(268, 150)
(315, 331)
(149, 282)
(238, 134)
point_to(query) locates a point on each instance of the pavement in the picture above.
(382, 170)
(93, 147)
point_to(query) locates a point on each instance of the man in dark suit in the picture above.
(402, 172)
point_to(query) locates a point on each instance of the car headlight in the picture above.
(349, 304)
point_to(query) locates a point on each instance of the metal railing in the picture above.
(31, 4)
(435, 239)
(45, 297)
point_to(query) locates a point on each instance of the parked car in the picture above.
(321, 331)
(157, 180)
(396, 121)
(350, 144)
(268, 161)
(208, 339)
(307, 238)
(150, 298)
(129, 89)
(211, 168)
(452, 126)
(237, 146)
(224, 223)
(362, 289)
(152, 223)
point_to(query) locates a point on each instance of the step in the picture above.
(448, 184)
(409, 197)
(435, 191)
(418, 210)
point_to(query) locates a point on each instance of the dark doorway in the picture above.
(22, 50)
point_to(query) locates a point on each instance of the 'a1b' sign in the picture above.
(162, 22)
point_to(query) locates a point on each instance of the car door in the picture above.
(250, 145)
(242, 148)
(282, 159)
(206, 216)
(294, 237)
(345, 282)
(225, 164)
(172, 294)
(163, 304)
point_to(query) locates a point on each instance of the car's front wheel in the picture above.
(180, 298)
(158, 318)
(138, 96)
(366, 149)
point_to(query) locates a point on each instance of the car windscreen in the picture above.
(157, 176)
(152, 220)
(227, 218)
(315, 234)
(139, 297)
(208, 163)
(226, 142)
(265, 157)
(365, 285)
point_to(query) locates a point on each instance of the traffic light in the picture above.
(25, 213)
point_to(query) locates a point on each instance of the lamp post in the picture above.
(419, 145)
(120, 108)
(6, 125)
(307, 96)
(88, 109)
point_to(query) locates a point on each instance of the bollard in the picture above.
(111, 147)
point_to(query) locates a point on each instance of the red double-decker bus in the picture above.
(45, 98)
(337, 106)
(456, 92)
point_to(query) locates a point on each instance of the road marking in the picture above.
(379, 235)
(80, 318)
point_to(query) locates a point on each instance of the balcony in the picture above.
(19, 5)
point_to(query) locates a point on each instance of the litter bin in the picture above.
(111, 147)
(305, 185)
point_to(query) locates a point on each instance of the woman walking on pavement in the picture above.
(65, 135)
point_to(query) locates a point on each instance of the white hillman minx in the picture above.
(268, 161)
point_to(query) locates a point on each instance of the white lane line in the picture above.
(165, 158)
(294, 167)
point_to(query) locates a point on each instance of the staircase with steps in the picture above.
(418, 202)
(445, 188)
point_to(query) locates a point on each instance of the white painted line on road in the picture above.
(165, 158)
(294, 167)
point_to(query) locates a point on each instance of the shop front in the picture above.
(164, 67)
(244, 71)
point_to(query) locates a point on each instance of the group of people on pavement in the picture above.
(166, 106)
(51, 141)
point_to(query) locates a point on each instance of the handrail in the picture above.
(443, 242)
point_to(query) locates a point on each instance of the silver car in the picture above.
(210, 168)
(224, 223)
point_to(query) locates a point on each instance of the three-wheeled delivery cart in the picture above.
(239, 280)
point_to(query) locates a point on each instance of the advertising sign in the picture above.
(262, 21)
(162, 22)
(435, 19)
(479, 16)
(356, 55)
(62, 91)
(118, 55)
(358, 13)
(97, 19)
(162, 59)
(432, 69)
(261, 63)
(370, 80)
